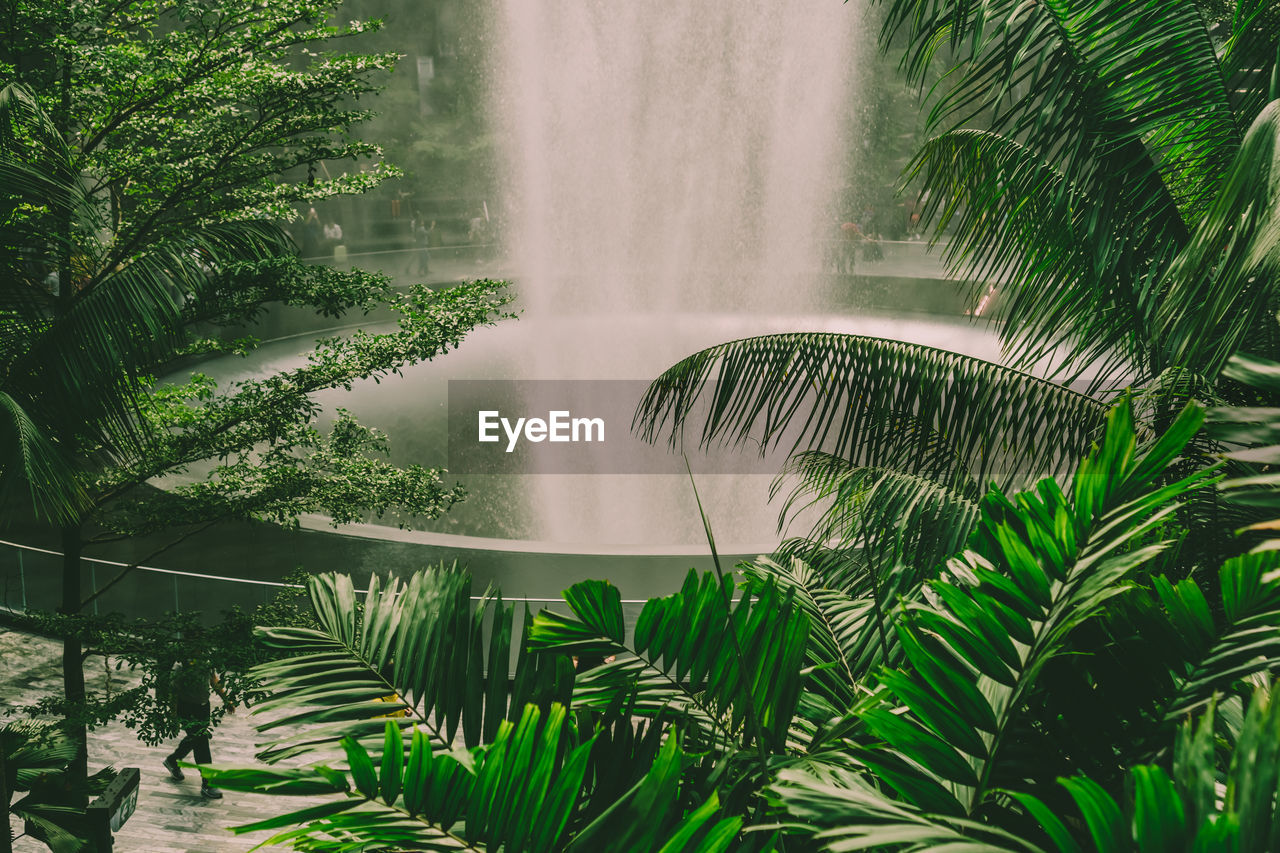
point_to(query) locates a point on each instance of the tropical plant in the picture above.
(34, 760)
(1112, 168)
(1253, 436)
(804, 717)
(1198, 801)
(492, 760)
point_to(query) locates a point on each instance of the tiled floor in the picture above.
(171, 817)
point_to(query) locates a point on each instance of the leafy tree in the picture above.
(147, 149)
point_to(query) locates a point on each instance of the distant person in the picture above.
(422, 248)
(192, 684)
(912, 209)
(312, 235)
(846, 258)
(333, 232)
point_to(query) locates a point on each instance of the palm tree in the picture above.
(82, 328)
(1113, 166)
(719, 717)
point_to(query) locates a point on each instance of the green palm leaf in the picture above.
(843, 641)
(521, 792)
(1067, 258)
(1190, 808)
(419, 648)
(839, 811)
(1253, 433)
(891, 516)
(36, 753)
(1038, 567)
(517, 793)
(1249, 56)
(1229, 268)
(1074, 145)
(849, 395)
(733, 672)
(1245, 643)
(32, 464)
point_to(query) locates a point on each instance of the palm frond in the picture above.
(522, 791)
(648, 816)
(519, 792)
(684, 660)
(1249, 56)
(1246, 642)
(1229, 268)
(1253, 434)
(1073, 146)
(1039, 567)
(419, 648)
(1065, 257)
(837, 810)
(843, 641)
(35, 467)
(846, 394)
(893, 517)
(1190, 808)
(1138, 82)
(36, 753)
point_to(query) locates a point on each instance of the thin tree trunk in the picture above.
(6, 837)
(73, 665)
(72, 653)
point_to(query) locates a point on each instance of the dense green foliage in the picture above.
(148, 154)
(1018, 625)
(1050, 645)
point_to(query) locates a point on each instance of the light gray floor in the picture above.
(171, 816)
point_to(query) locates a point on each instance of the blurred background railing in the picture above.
(30, 579)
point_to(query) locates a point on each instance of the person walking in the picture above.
(421, 264)
(192, 683)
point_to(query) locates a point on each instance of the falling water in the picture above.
(671, 157)
(664, 160)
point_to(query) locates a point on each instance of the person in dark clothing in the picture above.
(312, 235)
(192, 684)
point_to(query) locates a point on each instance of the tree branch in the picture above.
(184, 537)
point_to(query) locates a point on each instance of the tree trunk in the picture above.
(6, 837)
(72, 654)
(73, 665)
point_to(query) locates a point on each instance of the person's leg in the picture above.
(171, 760)
(201, 747)
(185, 746)
(203, 756)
